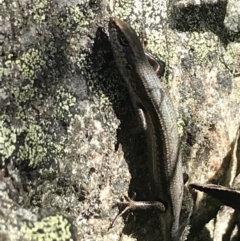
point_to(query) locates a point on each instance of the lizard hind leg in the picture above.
(130, 204)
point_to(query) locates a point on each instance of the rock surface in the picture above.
(66, 151)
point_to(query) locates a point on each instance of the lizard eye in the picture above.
(129, 67)
(123, 41)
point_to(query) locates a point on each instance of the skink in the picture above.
(153, 104)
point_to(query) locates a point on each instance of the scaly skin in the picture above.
(153, 103)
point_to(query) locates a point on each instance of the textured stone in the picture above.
(64, 109)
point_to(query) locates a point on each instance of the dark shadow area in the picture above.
(204, 17)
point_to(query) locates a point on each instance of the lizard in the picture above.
(153, 105)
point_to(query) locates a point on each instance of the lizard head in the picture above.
(126, 45)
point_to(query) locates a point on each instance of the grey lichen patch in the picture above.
(58, 228)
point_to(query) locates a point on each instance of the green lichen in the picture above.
(80, 18)
(30, 62)
(123, 9)
(57, 228)
(74, 17)
(17, 223)
(64, 102)
(34, 148)
(41, 7)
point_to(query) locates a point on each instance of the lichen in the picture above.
(57, 228)
(34, 148)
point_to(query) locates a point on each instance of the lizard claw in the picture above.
(130, 204)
